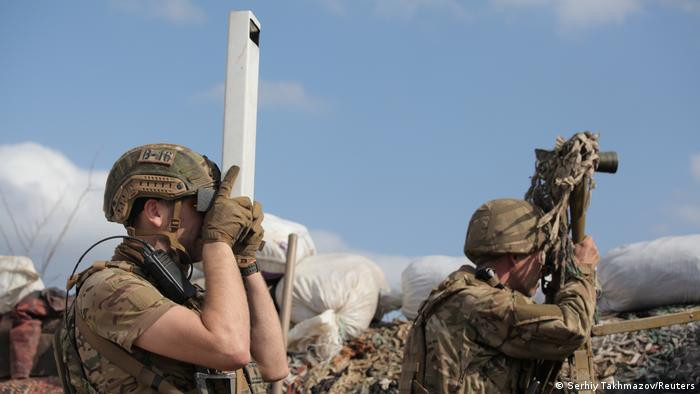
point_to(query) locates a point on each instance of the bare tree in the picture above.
(46, 216)
(28, 237)
(68, 222)
(7, 240)
(14, 222)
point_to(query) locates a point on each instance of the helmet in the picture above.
(164, 171)
(503, 226)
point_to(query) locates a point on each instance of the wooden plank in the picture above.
(646, 323)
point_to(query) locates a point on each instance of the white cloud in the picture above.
(328, 242)
(175, 11)
(687, 208)
(695, 166)
(335, 7)
(397, 9)
(689, 213)
(578, 14)
(688, 5)
(288, 95)
(214, 93)
(408, 9)
(570, 14)
(41, 189)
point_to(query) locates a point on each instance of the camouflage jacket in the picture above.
(470, 337)
(120, 305)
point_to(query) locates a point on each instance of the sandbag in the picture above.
(422, 275)
(26, 334)
(321, 332)
(272, 258)
(334, 297)
(649, 274)
(18, 278)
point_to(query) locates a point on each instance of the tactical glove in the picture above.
(252, 239)
(227, 218)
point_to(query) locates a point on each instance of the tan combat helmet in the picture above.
(162, 171)
(503, 226)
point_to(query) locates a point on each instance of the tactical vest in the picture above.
(413, 368)
(69, 363)
(413, 373)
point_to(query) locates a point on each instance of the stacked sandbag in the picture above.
(649, 274)
(422, 275)
(26, 334)
(18, 278)
(272, 258)
(335, 297)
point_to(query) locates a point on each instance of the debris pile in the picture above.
(368, 364)
(668, 354)
(372, 362)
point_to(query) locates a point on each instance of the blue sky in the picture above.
(382, 124)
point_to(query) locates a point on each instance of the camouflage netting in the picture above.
(368, 364)
(557, 172)
(372, 363)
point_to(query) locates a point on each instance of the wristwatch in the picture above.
(250, 270)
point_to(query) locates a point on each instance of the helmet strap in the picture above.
(170, 235)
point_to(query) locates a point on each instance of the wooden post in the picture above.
(286, 315)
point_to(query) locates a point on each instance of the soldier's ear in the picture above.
(154, 213)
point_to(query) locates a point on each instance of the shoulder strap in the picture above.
(123, 360)
(68, 363)
(413, 368)
(446, 289)
(60, 364)
(99, 265)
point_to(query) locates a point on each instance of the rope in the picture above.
(557, 172)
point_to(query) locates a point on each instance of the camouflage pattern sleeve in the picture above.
(511, 323)
(120, 306)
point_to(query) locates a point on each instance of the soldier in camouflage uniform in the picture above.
(159, 192)
(479, 331)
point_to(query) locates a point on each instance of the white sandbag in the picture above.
(320, 331)
(644, 275)
(422, 275)
(273, 257)
(18, 277)
(348, 285)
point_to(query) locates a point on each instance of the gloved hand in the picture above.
(228, 218)
(252, 239)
